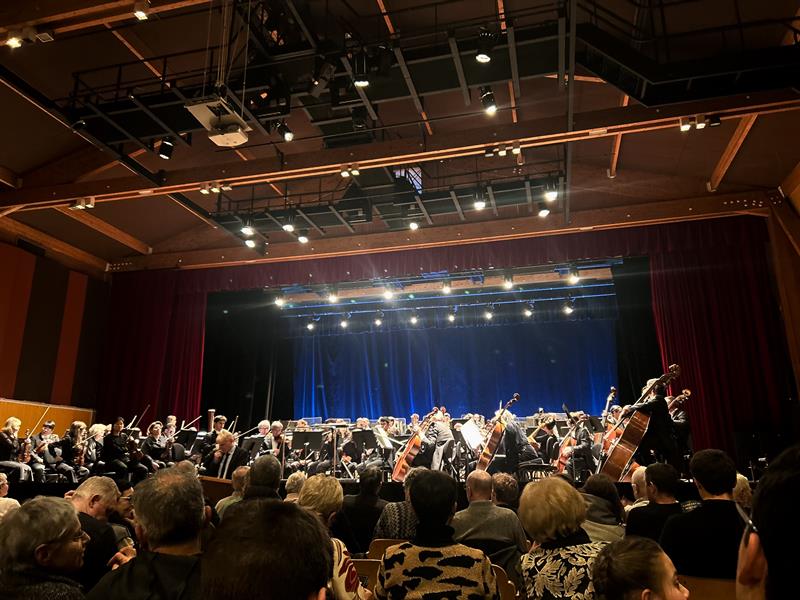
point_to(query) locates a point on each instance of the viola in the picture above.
(403, 463)
(494, 438)
(24, 453)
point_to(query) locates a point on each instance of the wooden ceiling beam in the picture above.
(791, 187)
(533, 133)
(107, 229)
(730, 152)
(706, 207)
(9, 177)
(616, 145)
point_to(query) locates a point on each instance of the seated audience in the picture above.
(284, 550)
(398, 520)
(364, 509)
(505, 491)
(293, 486)
(559, 564)
(662, 485)
(6, 504)
(639, 489)
(743, 493)
(323, 496)
(239, 483)
(170, 514)
(767, 565)
(704, 542)
(494, 530)
(41, 549)
(121, 517)
(636, 568)
(432, 564)
(604, 512)
(265, 479)
(94, 500)
(225, 457)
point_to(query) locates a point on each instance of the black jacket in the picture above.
(239, 459)
(99, 550)
(152, 576)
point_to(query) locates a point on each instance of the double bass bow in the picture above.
(495, 436)
(403, 463)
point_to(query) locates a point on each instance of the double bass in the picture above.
(403, 463)
(568, 441)
(494, 437)
(617, 464)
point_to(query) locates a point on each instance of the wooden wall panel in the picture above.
(30, 412)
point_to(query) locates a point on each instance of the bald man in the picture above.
(495, 530)
(639, 487)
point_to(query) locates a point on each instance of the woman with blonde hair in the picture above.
(560, 561)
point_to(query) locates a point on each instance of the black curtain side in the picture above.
(638, 354)
(244, 335)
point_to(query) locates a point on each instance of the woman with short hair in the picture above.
(41, 547)
(636, 568)
(6, 504)
(560, 561)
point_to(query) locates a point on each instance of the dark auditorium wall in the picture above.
(51, 325)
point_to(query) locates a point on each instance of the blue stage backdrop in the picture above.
(467, 369)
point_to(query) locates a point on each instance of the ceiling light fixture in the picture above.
(413, 225)
(344, 172)
(310, 326)
(361, 69)
(388, 294)
(508, 282)
(574, 276)
(333, 298)
(205, 190)
(248, 229)
(283, 130)
(378, 322)
(215, 188)
(551, 191)
(451, 317)
(354, 171)
(685, 124)
(485, 45)
(446, 289)
(543, 211)
(140, 9)
(569, 306)
(487, 100)
(13, 41)
(250, 243)
(279, 301)
(516, 148)
(414, 319)
(302, 238)
(165, 148)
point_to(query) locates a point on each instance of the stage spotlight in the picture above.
(288, 227)
(302, 238)
(344, 172)
(388, 294)
(508, 282)
(488, 314)
(502, 151)
(333, 298)
(354, 171)
(446, 289)
(516, 149)
(247, 228)
(451, 317)
(165, 148)
(543, 211)
(569, 306)
(701, 122)
(685, 124)
(360, 69)
(487, 100)
(413, 225)
(322, 77)
(343, 324)
(551, 191)
(215, 188)
(279, 302)
(480, 203)
(378, 322)
(528, 312)
(14, 41)
(310, 326)
(574, 277)
(250, 243)
(714, 121)
(283, 130)
(414, 320)
(140, 9)
(205, 190)
(485, 45)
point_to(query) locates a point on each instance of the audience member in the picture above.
(239, 483)
(604, 512)
(767, 567)
(704, 542)
(293, 486)
(433, 565)
(6, 504)
(364, 509)
(170, 514)
(323, 495)
(94, 500)
(639, 489)
(505, 491)
(41, 548)
(662, 485)
(265, 479)
(560, 562)
(398, 520)
(494, 530)
(636, 568)
(225, 457)
(284, 550)
(121, 516)
(743, 493)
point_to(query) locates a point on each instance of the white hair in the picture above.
(98, 486)
(42, 520)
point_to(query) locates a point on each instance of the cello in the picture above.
(403, 463)
(617, 464)
(568, 441)
(494, 437)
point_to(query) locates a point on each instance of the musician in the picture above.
(157, 446)
(226, 456)
(680, 421)
(659, 439)
(73, 449)
(274, 442)
(441, 438)
(546, 439)
(121, 456)
(514, 445)
(12, 450)
(413, 426)
(362, 423)
(170, 425)
(581, 462)
(614, 415)
(47, 446)
(302, 425)
(93, 459)
(210, 441)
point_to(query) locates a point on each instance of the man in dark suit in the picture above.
(439, 436)
(581, 462)
(364, 509)
(226, 458)
(660, 435)
(705, 541)
(662, 485)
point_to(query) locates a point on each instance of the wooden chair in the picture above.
(704, 588)
(505, 586)
(378, 547)
(367, 569)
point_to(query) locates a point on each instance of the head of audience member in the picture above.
(263, 427)
(714, 474)
(505, 490)
(636, 568)
(662, 483)
(239, 479)
(322, 495)
(270, 542)
(12, 426)
(124, 507)
(3, 485)
(225, 441)
(409, 480)
(97, 431)
(96, 497)
(43, 534)
(551, 509)
(639, 483)
(117, 426)
(742, 493)
(370, 482)
(170, 512)
(155, 429)
(187, 467)
(767, 570)
(219, 422)
(265, 477)
(602, 486)
(276, 428)
(479, 486)
(294, 484)
(434, 495)
(47, 428)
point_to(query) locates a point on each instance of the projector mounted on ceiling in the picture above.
(224, 126)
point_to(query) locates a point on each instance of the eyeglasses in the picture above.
(70, 536)
(750, 527)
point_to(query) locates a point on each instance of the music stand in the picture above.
(252, 445)
(308, 441)
(364, 439)
(382, 439)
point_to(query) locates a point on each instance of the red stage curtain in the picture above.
(716, 314)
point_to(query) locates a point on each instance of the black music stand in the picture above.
(364, 439)
(308, 441)
(252, 445)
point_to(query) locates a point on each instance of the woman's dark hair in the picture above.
(602, 486)
(629, 565)
(433, 496)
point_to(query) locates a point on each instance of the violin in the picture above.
(24, 453)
